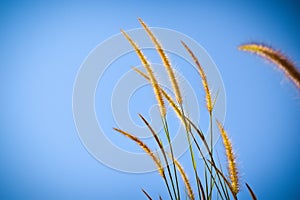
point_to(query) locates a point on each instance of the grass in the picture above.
(215, 182)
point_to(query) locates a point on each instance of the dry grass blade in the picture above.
(185, 179)
(153, 133)
(147, 195)
(152, 77)
(202, 189)
(209, 104)
(283, 63)
(253, 196)
(165, 61)
(146, 149)
(233, 172)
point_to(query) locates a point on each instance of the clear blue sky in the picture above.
(43, 45)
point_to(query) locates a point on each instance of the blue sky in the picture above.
(43, 45)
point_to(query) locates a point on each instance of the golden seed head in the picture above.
(146, 149)
(150, 72)
(281, 61)
(165, 61)
(209, 104)
(233, 172)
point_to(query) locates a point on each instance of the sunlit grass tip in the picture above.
(278, 58)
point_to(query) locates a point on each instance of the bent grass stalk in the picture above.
(155, 85)
(253, 196)
(171, 75)
(209, 103)
(281, 61)
(176, 89)
(159, 143)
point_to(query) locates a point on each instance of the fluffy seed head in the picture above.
(209, 104)
(152, 77)
(165, 61)
(282, 62)
(146, 149)
(233, 172)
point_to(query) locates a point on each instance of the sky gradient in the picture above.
(43, 45)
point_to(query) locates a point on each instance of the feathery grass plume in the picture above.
(146, 149)
(152, 78)
(233, 172)
(209, 104)
(168, 98)
(185, 179)
(165, 61)
(283, 63)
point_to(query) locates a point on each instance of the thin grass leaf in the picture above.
(253, 196)
(202, 189)
(147, 195)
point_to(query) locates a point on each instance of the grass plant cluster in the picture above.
(216, 183)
